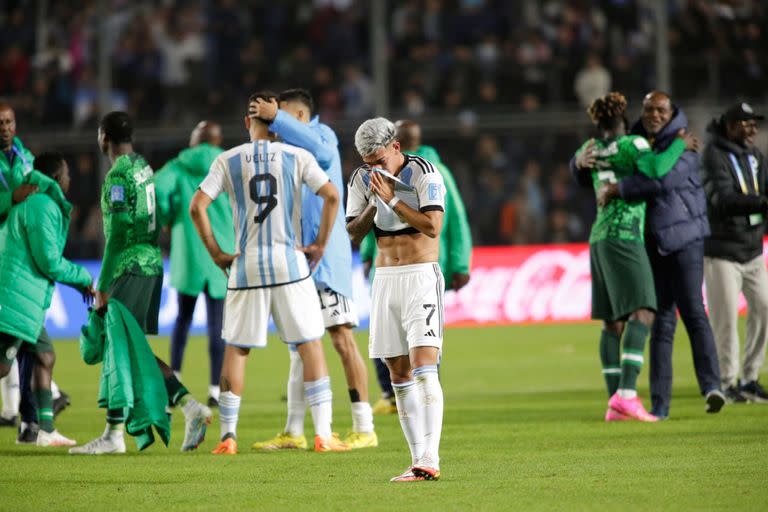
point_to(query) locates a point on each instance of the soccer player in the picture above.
(401, 198)
(623, 294)
(31, 245)
(192, 271)
(269, 274)
(132, 271)
(455, 242)
(294, 123)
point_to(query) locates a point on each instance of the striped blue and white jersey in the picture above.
(264, 183)
(418, 184)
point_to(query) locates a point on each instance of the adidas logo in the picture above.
(430, 333)
(335, 312)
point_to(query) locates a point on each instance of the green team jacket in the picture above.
(31, 245)
(130, 377)
(192, 268)
(11, 176)
(455, 237)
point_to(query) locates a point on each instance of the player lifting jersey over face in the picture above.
(400, 197)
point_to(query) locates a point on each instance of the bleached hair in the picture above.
(373, 135)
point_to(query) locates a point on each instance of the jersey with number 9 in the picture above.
(130, 221)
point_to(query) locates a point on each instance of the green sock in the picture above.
(44, 399)
(635, 335)
(176, 390)
(115, 418)
(610, 346)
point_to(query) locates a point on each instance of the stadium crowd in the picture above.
(176, 62)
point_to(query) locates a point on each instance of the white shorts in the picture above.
(294, 307)
(336, 308)
(406, 309)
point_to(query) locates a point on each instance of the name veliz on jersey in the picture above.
(269, 157)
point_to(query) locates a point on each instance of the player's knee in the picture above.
(644, 316)
(46, 360)
(613, 327)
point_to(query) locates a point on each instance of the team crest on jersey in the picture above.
(117, 193)
(433, 192)
(641, 143)
(10, 354)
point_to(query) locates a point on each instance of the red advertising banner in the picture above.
(526, 284)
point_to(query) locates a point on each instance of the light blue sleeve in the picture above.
(303, 135)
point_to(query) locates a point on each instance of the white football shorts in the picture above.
(336, 308)
(295, 308)
(406, 309)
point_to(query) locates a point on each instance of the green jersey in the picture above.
(130, 221)
(618, 159)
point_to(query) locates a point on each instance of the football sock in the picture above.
(115, 423)
(362, 417)
(176, 391)
(428, 383)
(635, 335)
(55, 391)
(320, 397)
(10, 392)
(610, 348)
(44, 399)
(229, 409)
(409, 409)
(114, 431)
(297, 406)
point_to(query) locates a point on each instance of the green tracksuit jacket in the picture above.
(192, 269)
(130, 377)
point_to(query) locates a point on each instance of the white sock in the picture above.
(627, 393)
(297, 406)
(409, 409)
(214, 392)
(229, 409)
(431, 393)
(114, 432)
(10, 392)
(55, 392)
(177, 375)
(320, 397)
(362, 417)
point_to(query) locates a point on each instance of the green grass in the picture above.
(523, 430)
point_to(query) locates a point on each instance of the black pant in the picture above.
(678, 278)
(215, 311)
(28, 403)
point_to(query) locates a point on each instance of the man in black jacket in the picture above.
(676, 225)
(735, 180)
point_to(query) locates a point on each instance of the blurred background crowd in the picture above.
(501, 86)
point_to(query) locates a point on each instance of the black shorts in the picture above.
(141, 295)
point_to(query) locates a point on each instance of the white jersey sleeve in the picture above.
(357, 193)
(215, 182)
(430, 188)
(311, 173)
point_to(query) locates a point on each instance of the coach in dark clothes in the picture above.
(735, 179)
(676, 225)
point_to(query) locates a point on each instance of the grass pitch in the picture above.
(523, 431)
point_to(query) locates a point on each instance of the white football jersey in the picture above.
(418, 184)
(263, 181)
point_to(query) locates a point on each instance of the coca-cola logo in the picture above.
(536, 285)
